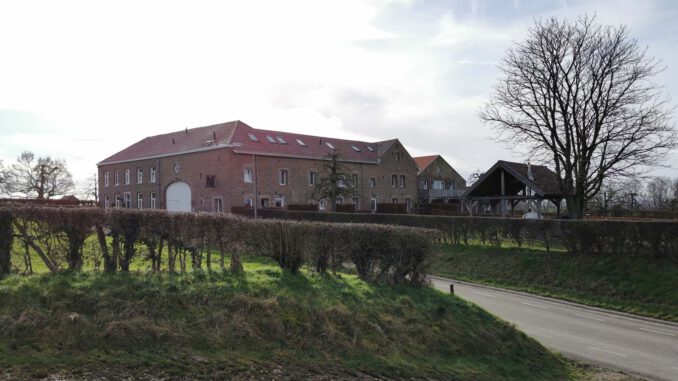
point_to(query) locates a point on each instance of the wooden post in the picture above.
(452, 288)
(503, 193)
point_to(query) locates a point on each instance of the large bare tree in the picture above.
(42, 178)
(580, 96)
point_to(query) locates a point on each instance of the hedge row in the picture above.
(393, 254)
(589, 237)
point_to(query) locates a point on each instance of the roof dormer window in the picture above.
(270, 138)
(281, 140)
(369, 148)
(355, 148)
(329, 145)
(301, 143)
(253, 137)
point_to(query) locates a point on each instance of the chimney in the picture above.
(186, 130)
(172, 141)
(529, 171)
(214, 135)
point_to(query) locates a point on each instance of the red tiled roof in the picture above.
(424, 161)
(236, 135)
(176, 142)
(312, 147)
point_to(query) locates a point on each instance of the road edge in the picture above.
(559, 301)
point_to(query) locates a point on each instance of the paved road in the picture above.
(642, 347)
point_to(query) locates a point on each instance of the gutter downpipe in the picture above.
(256, 198)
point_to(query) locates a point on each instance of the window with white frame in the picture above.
(373, 182)
(354, 180)
(282, 176)
(128, 200)
(356, 202)
(247, 175)
(397, 156)
(438, 184)
(402, 181)
(153, 201)
(394, 180)
(106, 178)
(312, 177)
(279, 202)
(424, 184)
(107, 202)
(140, 200)
(340, 200)
(321, 205)
(140, 176)
(118, 202)
(373, 204)
(342, 181)
(218, 205)
(394, 200)
(127, 176)
(248, 201)
(152, 175)
(116, 177)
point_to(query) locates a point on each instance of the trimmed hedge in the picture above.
(588, 237)
(392, 254)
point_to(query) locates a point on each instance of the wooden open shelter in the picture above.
(506, 184)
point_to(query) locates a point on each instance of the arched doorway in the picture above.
(178, 196)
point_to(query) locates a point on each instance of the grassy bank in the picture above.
(635, 284)
(267, 322)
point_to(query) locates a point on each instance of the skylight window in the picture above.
(281, 140)
(329, 145)
(301, 143)
(355, 148)
(270, 139)
(253, 137)
(370, 148)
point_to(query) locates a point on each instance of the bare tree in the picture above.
(659, 193)
(474, 176)
(42, 178)
(3, 179)
(579, 95)
(332, 182)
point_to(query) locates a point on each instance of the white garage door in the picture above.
(178, 197)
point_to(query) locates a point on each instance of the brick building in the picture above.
(437, 181)
(212, 168)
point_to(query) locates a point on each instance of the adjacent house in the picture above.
(212, 168)
(437, 181)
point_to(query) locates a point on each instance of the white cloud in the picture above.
(99, 76)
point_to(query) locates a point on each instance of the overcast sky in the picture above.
(83, 80)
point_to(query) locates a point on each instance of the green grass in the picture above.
(217, 325)
(634, 284)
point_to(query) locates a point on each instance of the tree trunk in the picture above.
(109, 264)
(116, 253)
(29, 241)
(236, 264)
(6, 240)
(575, 207)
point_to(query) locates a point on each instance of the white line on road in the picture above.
(606, 351)
(534, 305)
(659, 332)
(484, 294)
(590, 317)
